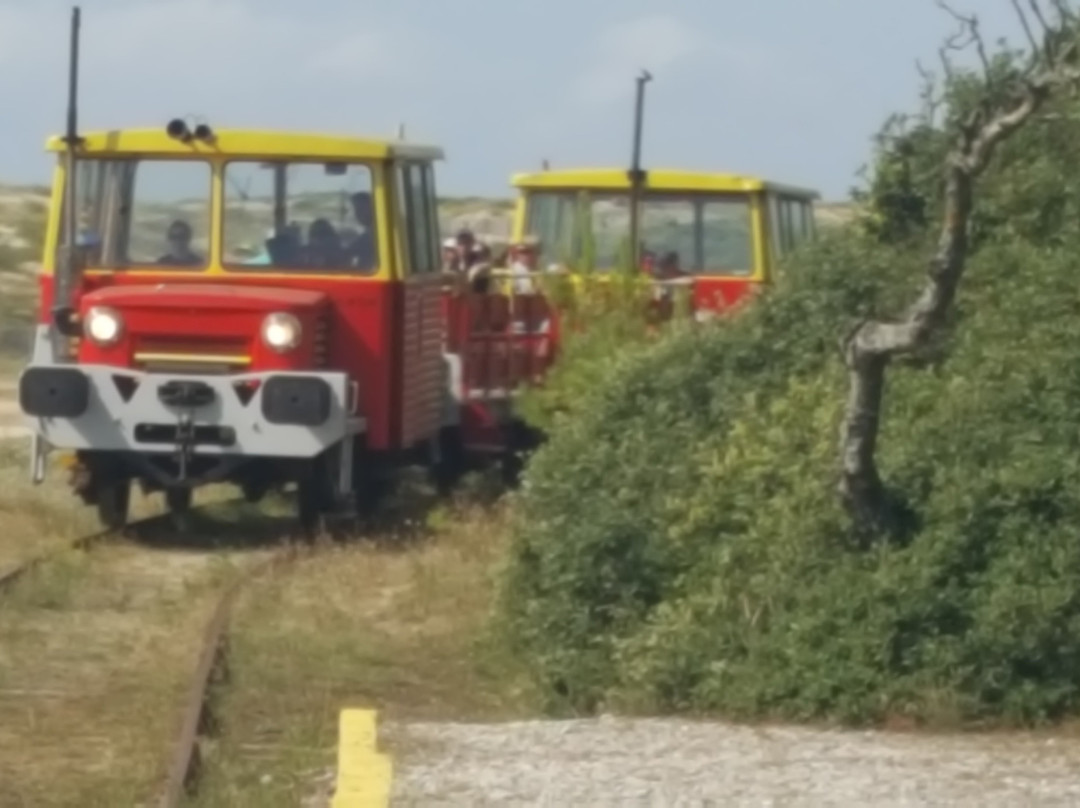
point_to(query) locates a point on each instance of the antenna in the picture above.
(63, 309)
(637, 175)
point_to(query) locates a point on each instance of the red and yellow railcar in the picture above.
(720, 234)
(261, 308)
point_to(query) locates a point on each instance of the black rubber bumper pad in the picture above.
(54, 392)
(296, 401)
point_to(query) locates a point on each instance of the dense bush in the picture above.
(680, 546)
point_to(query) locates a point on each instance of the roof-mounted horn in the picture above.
(178, 130)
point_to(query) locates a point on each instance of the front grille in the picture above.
(187, 355)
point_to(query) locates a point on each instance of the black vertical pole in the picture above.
(65, 288)
(637, 175)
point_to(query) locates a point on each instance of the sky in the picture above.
(792, 90)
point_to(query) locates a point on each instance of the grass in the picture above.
(95, 656)
(37, 518)
(397, 624)
(97, 649)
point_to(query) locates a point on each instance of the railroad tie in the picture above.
(363, 774)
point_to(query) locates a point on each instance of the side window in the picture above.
(776, 226)
(725, 233)
(790, 224)
(434, 229)
(419, 218)
(808, 219)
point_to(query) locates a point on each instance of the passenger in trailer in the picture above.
(451, 261)
(475, 261)
(523, 263)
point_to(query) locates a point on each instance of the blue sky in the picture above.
(791, 89)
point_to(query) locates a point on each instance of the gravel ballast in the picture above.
(654, 762)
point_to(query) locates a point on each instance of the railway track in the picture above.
(12, 573)
(198, 721)
(194, 722)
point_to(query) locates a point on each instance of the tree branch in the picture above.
(870, 347)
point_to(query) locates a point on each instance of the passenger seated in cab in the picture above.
(360, 249)
(179, 253)
(324, 247)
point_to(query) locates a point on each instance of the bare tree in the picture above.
(1051, 28)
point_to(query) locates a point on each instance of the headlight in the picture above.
(281, 331)
(103, 325)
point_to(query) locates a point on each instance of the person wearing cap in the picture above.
(474, 260)
(451, 261)
(465, 241)
(524, 256)
(179, 250)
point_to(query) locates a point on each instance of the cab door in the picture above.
(419, 339)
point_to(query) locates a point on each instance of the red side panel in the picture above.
(717, 294)
(504, 343)
(422, 385)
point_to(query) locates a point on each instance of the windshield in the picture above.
(134, 212)
(695, 233)
(299, 216)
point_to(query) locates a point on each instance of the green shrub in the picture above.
(679, 545)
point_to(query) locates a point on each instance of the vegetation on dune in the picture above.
(680, 544)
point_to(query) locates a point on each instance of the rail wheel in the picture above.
(178, 500)
(113, 502)
(314, 493)
(452, 464)
(308, 505)
(369, 493)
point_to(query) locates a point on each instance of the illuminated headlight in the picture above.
(103, 325)
(281, 331)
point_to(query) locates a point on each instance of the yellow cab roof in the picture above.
(248, 142)
(656, 179)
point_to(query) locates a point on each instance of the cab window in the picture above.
(693, 232)
(791, 222)
(300, 216)
(418, 209)
(550, 217)
(700, 234)
(132, 212)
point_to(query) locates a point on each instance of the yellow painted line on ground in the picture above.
(363, 774)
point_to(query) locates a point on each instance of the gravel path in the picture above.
(617, 762)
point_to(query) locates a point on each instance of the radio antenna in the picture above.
(64, 293)
(637, 175)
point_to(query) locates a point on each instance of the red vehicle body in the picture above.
(236, 349)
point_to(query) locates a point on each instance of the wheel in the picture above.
(113, 501)
(452, 463)
(253, 491)
(309, 502)
(178, 500)
(314, 493)
(369, 493)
